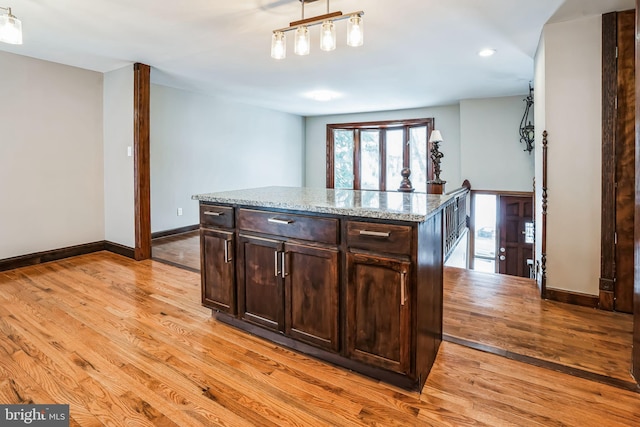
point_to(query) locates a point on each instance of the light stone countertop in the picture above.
(390, 205)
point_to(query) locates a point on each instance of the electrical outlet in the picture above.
(179, 211)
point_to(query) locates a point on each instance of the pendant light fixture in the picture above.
(302, 38)
(10, 27)
(355, 34)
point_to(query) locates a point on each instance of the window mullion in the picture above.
(357, 155)
(383, 158)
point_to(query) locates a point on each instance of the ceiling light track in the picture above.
(10, 27)
(327, 33)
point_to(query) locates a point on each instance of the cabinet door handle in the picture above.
(375, 233)
(403, 285)
(276, 263)
(283, 264)
(280, 221)
(212, 213)
(227, 252)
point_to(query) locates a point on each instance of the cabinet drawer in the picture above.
(324, 230)
(393, 239)
(216, 216)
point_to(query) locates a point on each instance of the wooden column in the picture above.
(636, 312)
(608, 221)
(142, 169)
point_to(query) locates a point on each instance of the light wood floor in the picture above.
(127, 342)
(507, 313)
(181, 250)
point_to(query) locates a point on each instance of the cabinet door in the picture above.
(311, 295)
(261, 299)
(218, 271)
(379, 311)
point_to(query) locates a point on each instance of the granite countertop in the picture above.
(391, 205)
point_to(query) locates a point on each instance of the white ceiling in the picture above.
(416, 53)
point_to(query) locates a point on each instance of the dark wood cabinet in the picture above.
(359, 293)
(379, 311)
(218, 270)
(260, 284)
(311, 293)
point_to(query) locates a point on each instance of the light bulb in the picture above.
(355, 34)
(328, 36)
(278, 45)
(302, 41)
(10, 29)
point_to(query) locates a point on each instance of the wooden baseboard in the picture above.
(119, 249)
(57, 254)
(174, 231)
(575, 298)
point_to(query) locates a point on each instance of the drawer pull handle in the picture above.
(212, 213)
(403, 285)
(280, 221)
(375, 233)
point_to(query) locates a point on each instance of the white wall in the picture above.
(201, 144)
(446, 119)
(492, 157)
(573, 116)
(51, 161)
(119, 207)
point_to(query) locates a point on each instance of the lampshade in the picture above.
(10, 28)
(302, 41)
(328, 36)
(355, 33)
(278, 45)
(435, 136)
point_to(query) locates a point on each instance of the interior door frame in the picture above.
(635, 359)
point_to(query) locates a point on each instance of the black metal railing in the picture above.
(455, 217)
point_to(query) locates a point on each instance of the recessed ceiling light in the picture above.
(322, 95)
(486, 52)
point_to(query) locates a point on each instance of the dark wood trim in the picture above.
(119, 249)
(142, 167)
(504, 193)
(635, 358)
(543, 237)
(330, 158)
(384, 124)
(62, 253)
(576, 372)
(609, 93)
(174, 231)
(574, 298)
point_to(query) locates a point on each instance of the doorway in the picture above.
(503, 233)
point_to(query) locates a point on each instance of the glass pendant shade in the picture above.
(302, 43)
(328, 36)
(278, 45)
(355, 34)
(10, 29)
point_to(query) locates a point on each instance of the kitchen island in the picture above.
(351, 277)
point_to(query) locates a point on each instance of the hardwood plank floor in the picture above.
(181, 250)
(506, 315)
(128, 343)
(507, 312)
